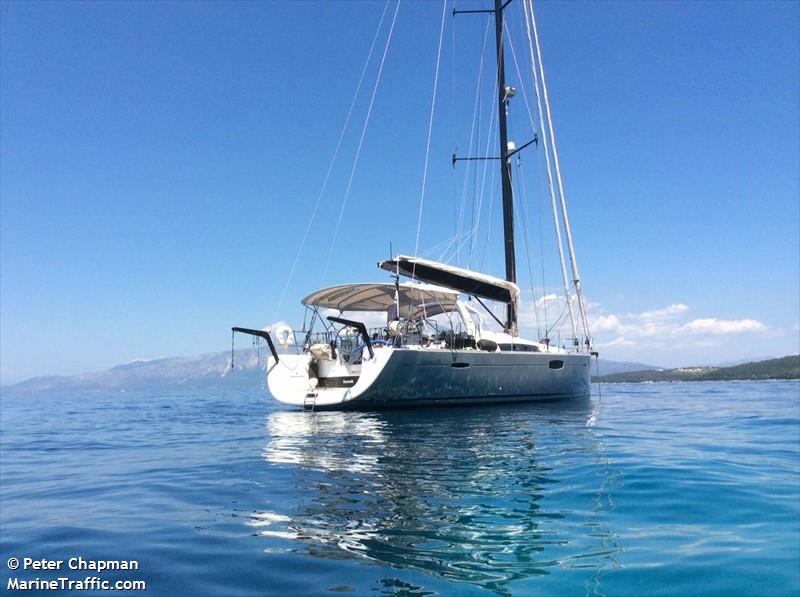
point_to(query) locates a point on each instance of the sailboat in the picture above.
(434, 346)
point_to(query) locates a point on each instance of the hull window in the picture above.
(556, 364)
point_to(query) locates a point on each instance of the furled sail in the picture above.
(456, 278)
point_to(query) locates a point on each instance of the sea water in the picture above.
(642, 489)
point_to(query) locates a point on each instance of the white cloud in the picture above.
(605, 323)
(667, 336)
(661, 334)
(666, 313)
(668, 322)
(274, 325)
(548, 298)
(531, 314)
(723, 326)
(620, 341)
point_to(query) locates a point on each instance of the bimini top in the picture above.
(457, 278)
(379, 297)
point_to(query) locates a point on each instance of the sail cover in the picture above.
(379, 297)
(457, 278)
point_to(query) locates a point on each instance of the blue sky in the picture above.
(159, 163)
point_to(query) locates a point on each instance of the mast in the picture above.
(505, 166)
(504, 94)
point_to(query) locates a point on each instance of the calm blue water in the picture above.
(651, 489)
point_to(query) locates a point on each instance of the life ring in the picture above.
(284, 335)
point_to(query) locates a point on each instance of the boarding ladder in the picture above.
(310, 401)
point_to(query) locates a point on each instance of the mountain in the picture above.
(203, 371)
(607, 367)
(782, 368)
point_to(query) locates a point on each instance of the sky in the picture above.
(160, 164)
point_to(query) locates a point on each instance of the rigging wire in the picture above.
(558, 322)
(564, 215)
(521, 80)
(361, 140)
(453, 183)
(443, 247)
(496, 90)
(476, 223)
(539, 199)
(545, 145)
(332, 162)
(459, 244)
(524, 188)
(478, 191)
(472, 235)
(430, 129)
(473, 187)
(540, 221)
(521, 219)
(477, 118)
(486, 245)
(525, 228)
(233, 341)
(453, 84)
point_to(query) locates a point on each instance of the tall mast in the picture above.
(505, 166)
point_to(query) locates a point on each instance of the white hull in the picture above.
(411, 377)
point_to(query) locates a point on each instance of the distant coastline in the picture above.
(773, 369)
(213, 371)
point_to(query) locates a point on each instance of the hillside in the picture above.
(203, 371)
(607, 367)
(782, 368)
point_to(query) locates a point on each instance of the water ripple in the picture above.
(653, 489)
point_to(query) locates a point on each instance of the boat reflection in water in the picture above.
(482, 495)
